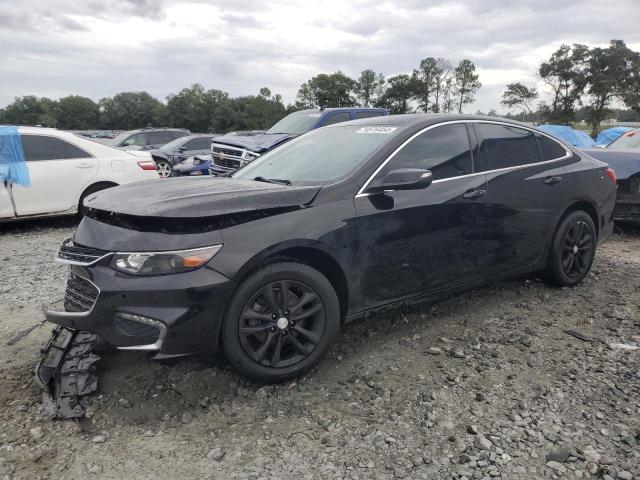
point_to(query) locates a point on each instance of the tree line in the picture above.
(585, 84)
(435, 86)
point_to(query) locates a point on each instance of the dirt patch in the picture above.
(485, 384)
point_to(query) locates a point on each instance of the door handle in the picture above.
(474, 194)
(552, 180)
(85, 165)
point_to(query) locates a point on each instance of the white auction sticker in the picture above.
(383, 130)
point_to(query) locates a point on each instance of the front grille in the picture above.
(79, 254)
(80, 295)
(227, 162)
(229, 152)
(136, 329)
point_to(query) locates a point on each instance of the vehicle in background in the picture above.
(605, 137)
(174, 152)
(232, 152)
(623, 155)
(64, 169)
(344, 220)
(629, 140)
(193, 166)
(147, 138)
(573, 137)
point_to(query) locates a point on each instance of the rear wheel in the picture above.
(280, 322)
(573, 250)
(164, 168)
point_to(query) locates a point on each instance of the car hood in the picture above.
(198, 197)
(255, 143)
(625, 162)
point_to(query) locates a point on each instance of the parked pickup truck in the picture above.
(232, 152)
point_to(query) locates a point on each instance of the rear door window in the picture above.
(41, 147)
(444, 150)
(550, 149)
(337, 117)
(505, 146)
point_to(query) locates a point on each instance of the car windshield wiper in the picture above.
(273, 180)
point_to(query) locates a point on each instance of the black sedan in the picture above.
(336, 223)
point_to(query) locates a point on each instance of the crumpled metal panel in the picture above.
(66, 372)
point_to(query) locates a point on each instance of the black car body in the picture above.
(623, 155)
(402, 208)
(147, 138)
(172, 153)
(234, 151)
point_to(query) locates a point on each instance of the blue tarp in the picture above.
(572, 137)
(13, 168)
(607, 136)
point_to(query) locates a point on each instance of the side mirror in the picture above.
(403, 179)
(182, 149)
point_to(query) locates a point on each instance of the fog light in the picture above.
(150, 331)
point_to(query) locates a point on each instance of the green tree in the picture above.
(31, 110)
(327, 90)
(606, 73)
(129, 110)
(369, 87)
(442, 83)
(520, 96)
(198, 109)
(630, 88)
(466, 83)
(400, 90)
(256, 112)
(424, 79)
(564, 73)
(76, 113)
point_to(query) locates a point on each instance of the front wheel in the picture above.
(280, 322)
(573, 250)
(164, 168)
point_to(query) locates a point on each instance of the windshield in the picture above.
(322, 155)
(628, 140)
(297, 122)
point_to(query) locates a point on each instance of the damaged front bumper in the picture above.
(66, 372)
(171, 315)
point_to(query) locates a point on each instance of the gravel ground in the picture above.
(483, 385)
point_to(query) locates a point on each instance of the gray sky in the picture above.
(99, 47)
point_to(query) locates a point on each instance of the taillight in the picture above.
(147, 164)
(611, 174)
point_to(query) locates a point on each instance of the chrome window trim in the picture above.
(568, 153)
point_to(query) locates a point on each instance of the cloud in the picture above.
(97, 48)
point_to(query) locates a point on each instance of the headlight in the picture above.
(162, 263)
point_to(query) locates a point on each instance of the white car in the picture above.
(64, 168)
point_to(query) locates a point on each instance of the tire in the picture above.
(301, 329)
(82, 210)
(164, 168)
(572, 251)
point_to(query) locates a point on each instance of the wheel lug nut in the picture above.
(274, 316)
(284, 333)
(273, 329)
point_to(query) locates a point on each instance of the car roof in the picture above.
(425, 119)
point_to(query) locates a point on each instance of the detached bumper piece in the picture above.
(66, 372)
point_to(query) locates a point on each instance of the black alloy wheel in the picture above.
(280, 322)
(577, 249)
(573, 250)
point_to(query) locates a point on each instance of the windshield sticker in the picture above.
(383, 130)
(315, 114)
